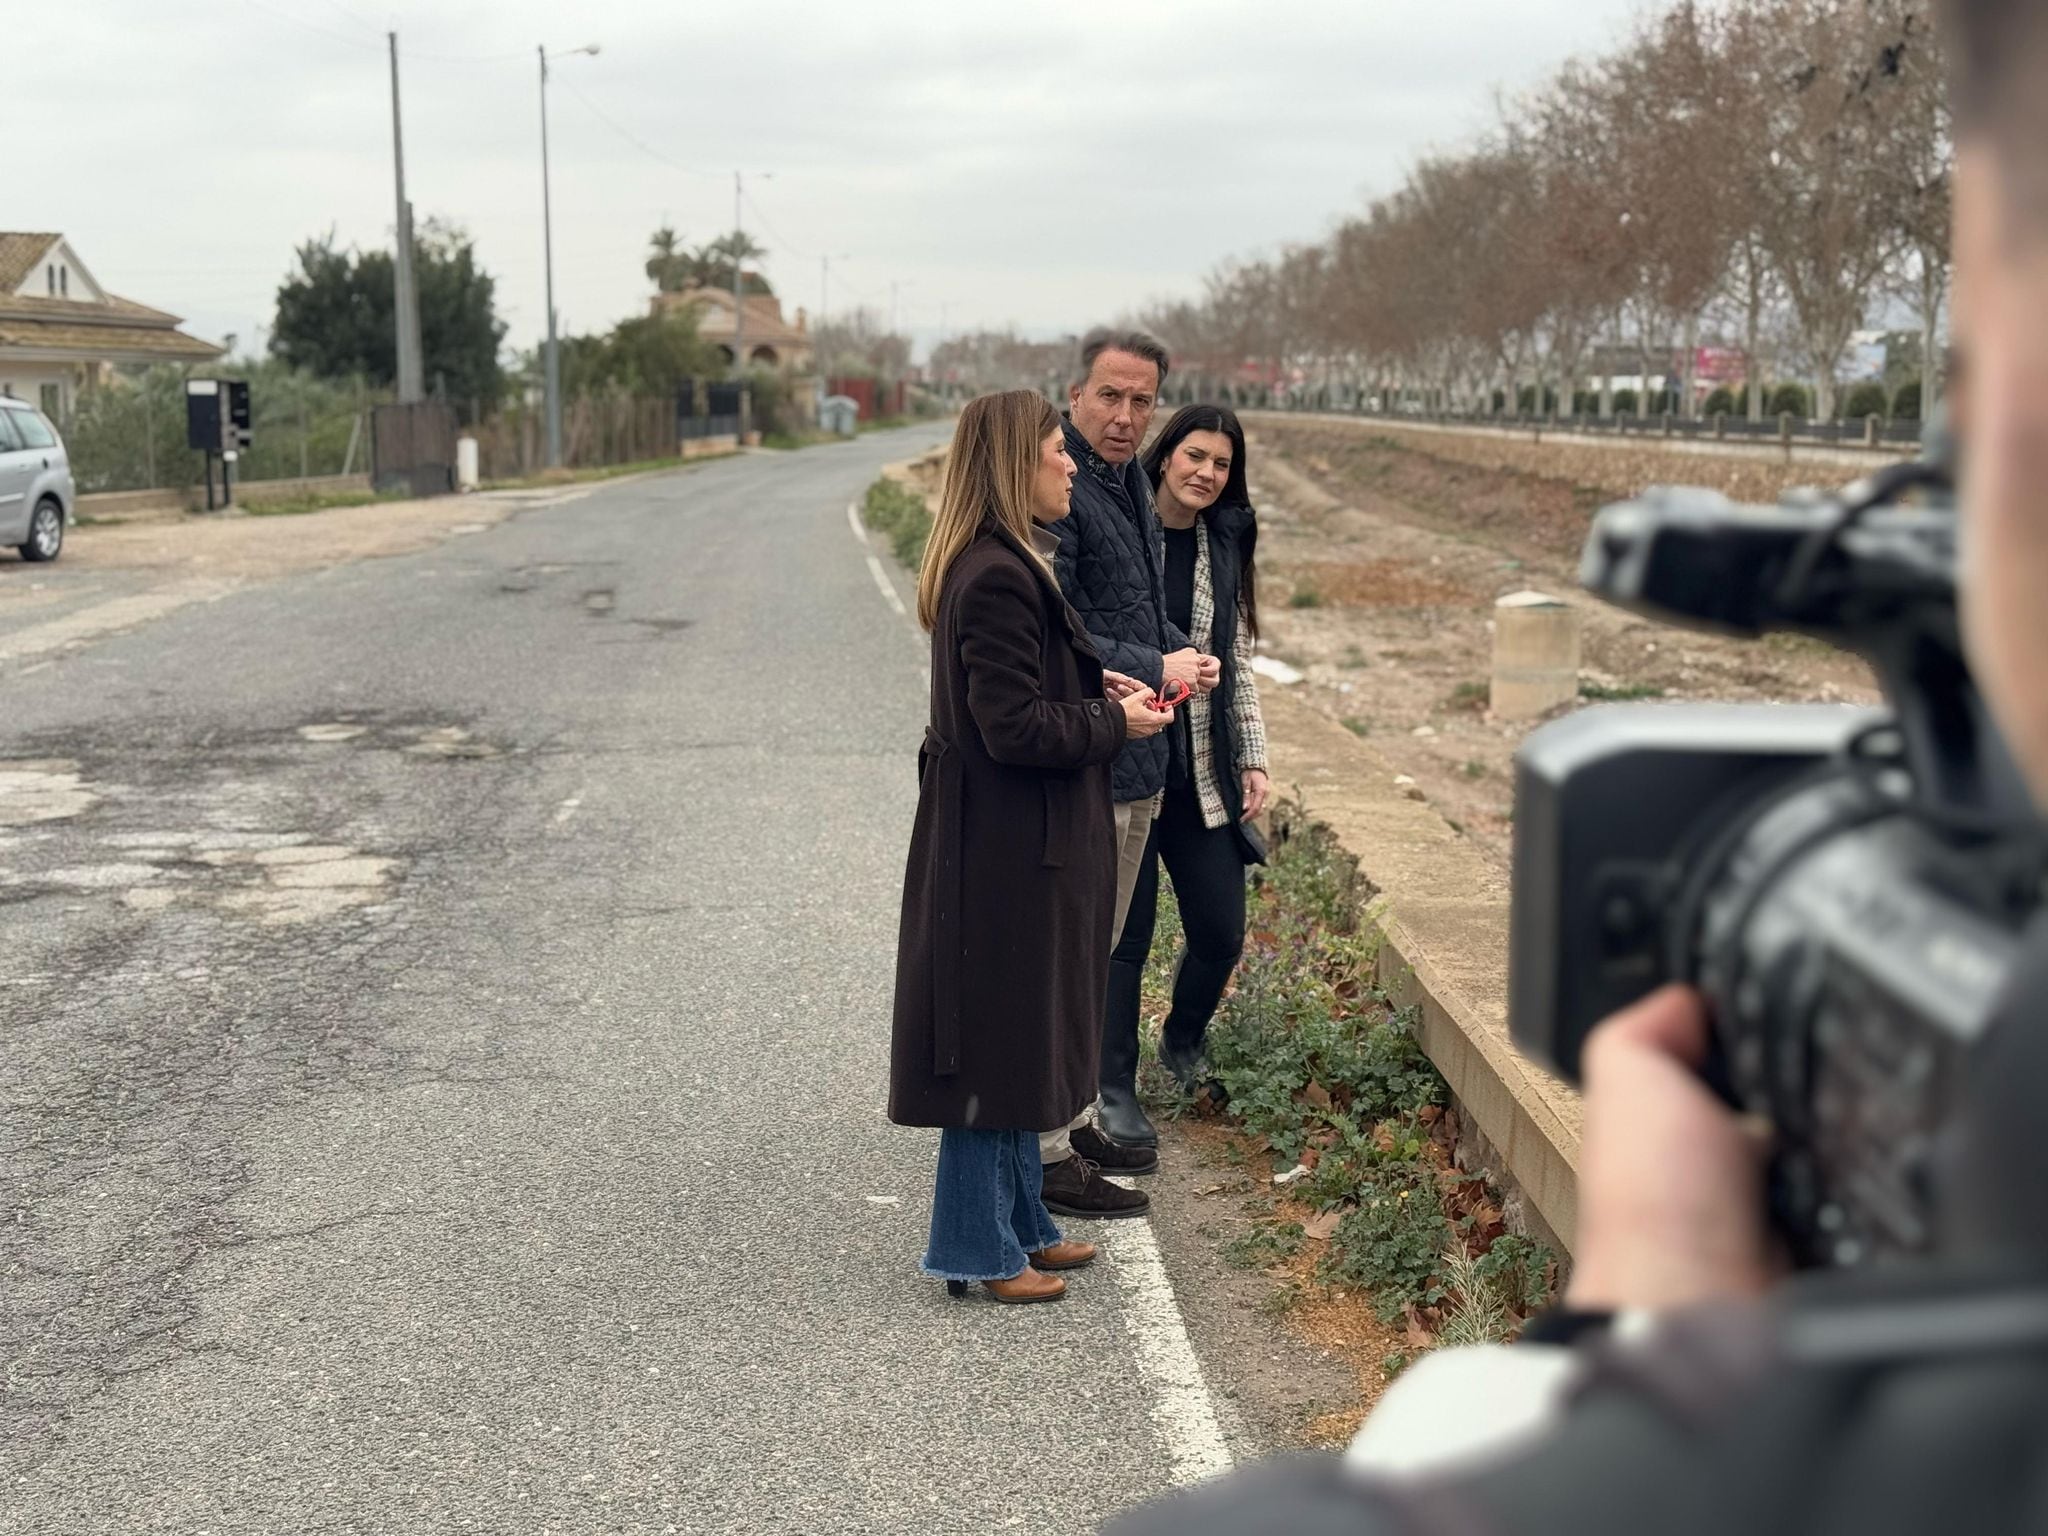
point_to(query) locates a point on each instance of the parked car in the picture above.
(36, 490)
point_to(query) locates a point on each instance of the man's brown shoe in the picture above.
(1077, 1188)
(1065, 1255)
(1018, 1290)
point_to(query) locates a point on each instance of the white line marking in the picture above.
(568, 808)
(860, 534)
(1183, 1413)
(882, 580)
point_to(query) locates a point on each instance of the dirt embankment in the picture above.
(1381, 555)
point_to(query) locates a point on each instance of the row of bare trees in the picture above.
(1769, 174)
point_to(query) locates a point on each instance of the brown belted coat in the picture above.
(1003, 955)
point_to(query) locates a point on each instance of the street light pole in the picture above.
(553, 365)
(405, 291)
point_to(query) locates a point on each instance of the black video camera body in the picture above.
(1847, 886)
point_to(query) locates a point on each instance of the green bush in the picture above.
(1723, 402)
(1625, 402)
(1519, 1268)
(1789, 400)
(1392, 1243)
(1866, 400)
(1906, 405)
(900, 515)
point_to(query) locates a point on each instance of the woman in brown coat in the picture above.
(1004, 950)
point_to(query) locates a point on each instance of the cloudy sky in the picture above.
(1045, 163)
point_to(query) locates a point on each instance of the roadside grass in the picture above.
(1321, 1074)
(548, 477)
(899, 514)
(298, 506)
(1613, 693)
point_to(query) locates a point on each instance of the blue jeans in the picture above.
(986, 1215)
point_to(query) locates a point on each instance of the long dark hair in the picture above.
(1236, 490)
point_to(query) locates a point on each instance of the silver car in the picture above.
(36, 490)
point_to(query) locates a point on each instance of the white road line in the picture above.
(1183, 1413)
(888, 590)
(860, 534)
(568, 808)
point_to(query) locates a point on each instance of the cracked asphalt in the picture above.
(443, 1003)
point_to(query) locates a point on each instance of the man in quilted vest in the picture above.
(1111, 565)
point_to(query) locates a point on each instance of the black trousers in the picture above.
(1209, 883)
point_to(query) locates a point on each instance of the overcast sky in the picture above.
(1046, 163)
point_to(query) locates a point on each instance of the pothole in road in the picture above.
(416, 740)
(270, 877)
(42, 790)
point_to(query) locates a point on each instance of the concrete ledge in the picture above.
(138, 506)
(1443, 911)
(1860, 457)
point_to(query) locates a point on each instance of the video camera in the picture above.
(1846, 886)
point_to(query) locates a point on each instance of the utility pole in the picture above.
(824, 309)
(553, 363)
(739, 300)
(411, 371)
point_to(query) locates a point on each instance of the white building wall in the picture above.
(29, 381)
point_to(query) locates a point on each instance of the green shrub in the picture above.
(901, 516)
(1519, 1268)
(1305, 597)
(1866, 400)
(1723, 402)
(1789, 400)
(1906, 406)
(1392, 1244)
(1625, 402)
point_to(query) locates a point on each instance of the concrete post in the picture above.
(1535, 655)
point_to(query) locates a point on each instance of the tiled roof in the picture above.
(112, 342)
(764, 315)
(19, 255)
(116, 311)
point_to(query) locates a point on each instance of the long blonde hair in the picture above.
(988, 474)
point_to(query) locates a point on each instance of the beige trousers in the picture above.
(1133, 827)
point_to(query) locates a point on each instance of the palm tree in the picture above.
(715, 261)
(672, 268)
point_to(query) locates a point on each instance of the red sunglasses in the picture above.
(1175, 692)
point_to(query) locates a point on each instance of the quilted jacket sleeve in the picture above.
(1129, 657)
(1002, 637)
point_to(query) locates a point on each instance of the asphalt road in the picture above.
(443, 1023)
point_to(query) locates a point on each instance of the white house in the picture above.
(61, 332)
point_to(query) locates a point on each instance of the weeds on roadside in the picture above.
(1317, 1062)
(1305, 597)
(900, 515)
(1618, 693)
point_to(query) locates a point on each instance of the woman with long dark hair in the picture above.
(1011, 884)
(1204, 833)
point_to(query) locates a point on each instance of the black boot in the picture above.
(1119, 1114)
(1184, 1060)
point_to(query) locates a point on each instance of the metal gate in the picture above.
(412, 448)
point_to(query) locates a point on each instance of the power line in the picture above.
(350, 41)
(627, 134)
(318, 31)
(776, 235)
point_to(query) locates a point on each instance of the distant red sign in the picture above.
(1718, 365)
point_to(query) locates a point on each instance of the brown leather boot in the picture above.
(1030, 1286)
(1063, 1255)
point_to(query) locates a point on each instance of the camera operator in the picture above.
(1683, 1385)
